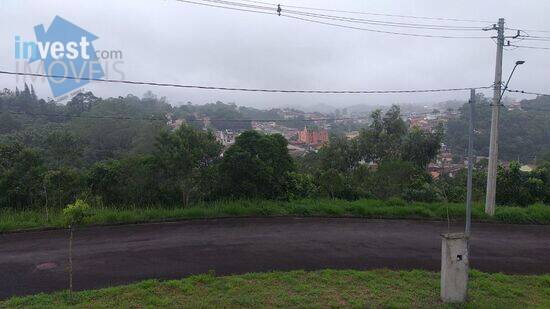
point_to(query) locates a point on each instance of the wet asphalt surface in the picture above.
(33, 262)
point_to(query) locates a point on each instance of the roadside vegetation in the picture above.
(83, 151)
(323, 289)
(12, 220)
(170, 173)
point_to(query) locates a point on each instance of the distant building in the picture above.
(430, 122)
(226, 137)
(514, 106)
(174, 123)
(419, 122)
(319, 137)
(440, 169)
(351, 135)
(177, 123)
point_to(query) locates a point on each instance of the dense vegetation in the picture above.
(299, 289)
(120, 151)
(524, 133)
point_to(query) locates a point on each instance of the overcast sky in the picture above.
(175, 42)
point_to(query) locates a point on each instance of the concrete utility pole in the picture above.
(493, 147)
(470, 164)
(455, 247)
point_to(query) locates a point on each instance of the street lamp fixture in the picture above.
(519, 62)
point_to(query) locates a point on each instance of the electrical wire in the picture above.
(530, 30)
(535, 109)
(527, 92)
(536, 36)
(537, 39)
(385, 24)
(350, 19)
(240, 89)
(290, 13)
(229, 8)
(337, 25)
(386, 32)
(525, 36)
(512, 41)
(374, 14)
(531, 47)
(529, 37)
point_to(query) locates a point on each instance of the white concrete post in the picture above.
(493, 142)
(454, 267)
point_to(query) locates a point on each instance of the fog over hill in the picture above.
(192, 44)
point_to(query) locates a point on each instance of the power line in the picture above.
(530, 30)
(229, 8)
(527, 37)
(537, 36)
(531, 109)
(530, 47)
(530, 37)
(241, 89)
(363, 21)
(537, 39)
(338, 25)
(384, 23)
(386, 32)
(351, 19)
(535, 109)
(527, 92)
(375, 14)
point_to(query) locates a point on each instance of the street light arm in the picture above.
(508, 81)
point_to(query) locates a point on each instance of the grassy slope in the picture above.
(29, 219)
(327, 288)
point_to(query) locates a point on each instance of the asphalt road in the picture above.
(33, 262)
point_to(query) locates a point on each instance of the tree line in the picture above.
(524, 132)
(109, 161)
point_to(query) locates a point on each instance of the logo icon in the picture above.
(67, 54)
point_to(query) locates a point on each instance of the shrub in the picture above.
(75, 213)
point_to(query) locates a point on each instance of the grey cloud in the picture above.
(169, 41)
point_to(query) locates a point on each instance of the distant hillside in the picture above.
(524, 131)
(111, 127)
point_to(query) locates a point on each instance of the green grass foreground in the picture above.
(12, 220)
(317, 289)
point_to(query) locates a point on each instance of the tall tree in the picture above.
(382, 139)
(8, 124)
(421, 147)
(257, 165)
(63, 148)
(82, 102)
(183, 155)
(340, 154)
(20, 175)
